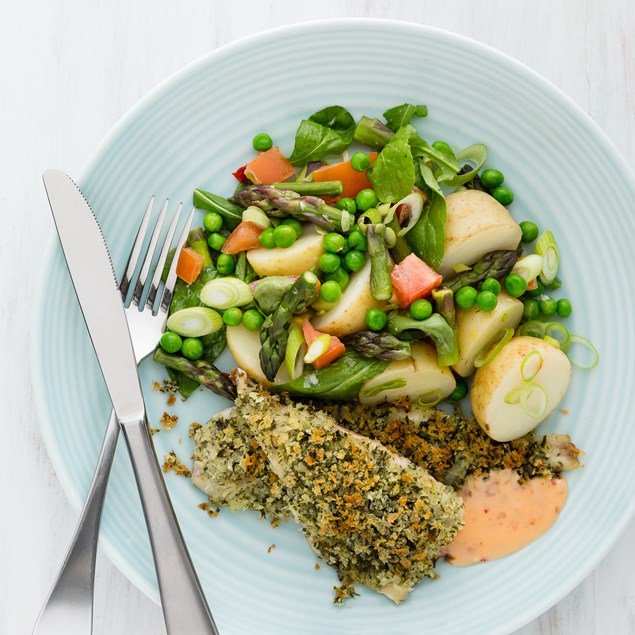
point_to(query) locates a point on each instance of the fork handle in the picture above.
(69, 606)
(184, 606)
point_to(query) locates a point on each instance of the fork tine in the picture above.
(133, 258)
(171, 279)
(167, 243)
(145, 269)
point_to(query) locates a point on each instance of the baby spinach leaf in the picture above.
(232, 214)
(393, 174)
(328, 131)
(400, 116)
(445, 160)
(427, 237)
(339, 381)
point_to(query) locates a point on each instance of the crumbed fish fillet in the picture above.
(231, 468)
(373, 515)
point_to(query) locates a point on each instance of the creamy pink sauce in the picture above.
(502, 516)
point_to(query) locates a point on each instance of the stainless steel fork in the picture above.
(69, 606)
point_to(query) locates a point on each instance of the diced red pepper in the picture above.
(239, 175)
(412, 279)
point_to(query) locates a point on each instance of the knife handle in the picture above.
(184, 606)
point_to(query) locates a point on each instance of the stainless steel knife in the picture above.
(184, 606)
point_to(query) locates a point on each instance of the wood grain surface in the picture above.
(71, 68)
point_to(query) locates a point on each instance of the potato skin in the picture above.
(292, 261)
(476, 223)
(492, 383)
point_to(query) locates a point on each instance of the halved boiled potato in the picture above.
(476, 223)
(519, 388)
(291, 261)
(348, 315)
(419, 378)
(476, 329)
(244, 345)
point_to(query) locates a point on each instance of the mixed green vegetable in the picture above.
(333, 263)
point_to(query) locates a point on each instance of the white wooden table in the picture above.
(70, 68)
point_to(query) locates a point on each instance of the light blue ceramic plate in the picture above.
(193, 131)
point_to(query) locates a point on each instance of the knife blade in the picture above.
(184, 605)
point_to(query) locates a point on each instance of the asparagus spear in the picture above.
(380, 264)
(274, 334)
(401, 250)
(444, 301)
(203, 372)
(197, 240)
(496, 264)
(312, 188)
(282, 202)
(372, 133)
(371, 344)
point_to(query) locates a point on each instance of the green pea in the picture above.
(356, 240)
(253, 319)
(212, 222)
(330, 291)
(225, 264)
(354, 260)
(360, 162)
(366, 199)
(233, 316)
(420, 309)
(515, 285)
(539, 290)
(491, 284)
(266, 238)
(442, 146)
(530, 231)
(531, 309)
(486, 301)
(171, 342)
(376, 319)
(563, 307)
(340, 276)
(465, 297)
(334, 243)
(347, 204)
(192, 348)
(216, 241)
(548, 306)
(491, 178)
(284, 236)
(262, 142)
(460, 391)
(295, 223)
(503, 195)
(329, 263)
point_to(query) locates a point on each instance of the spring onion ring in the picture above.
(489, 352)
(194, 322)
(585, 344)
(224, 293)
(294, 353)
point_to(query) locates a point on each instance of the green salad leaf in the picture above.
(328, 131)
(446, 162)
(426, 238)
(393, 173)
(232, 214)
(339, 381)
(400, 116)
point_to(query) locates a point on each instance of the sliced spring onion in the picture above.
(430, 398)
(552, 340)
(414, 203)
(579, 343)
(293, 355)
(224, 293)
(534, 400)
(347, 221)
(531, 365)
(318, 347)
(195, 321)
(533, 328)
(528, 267)
(394, 384)
(257, 216)
(489, 352)
(390, 237)
(513, 396)
(475, 154)
(547, 247)
(560, 333)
